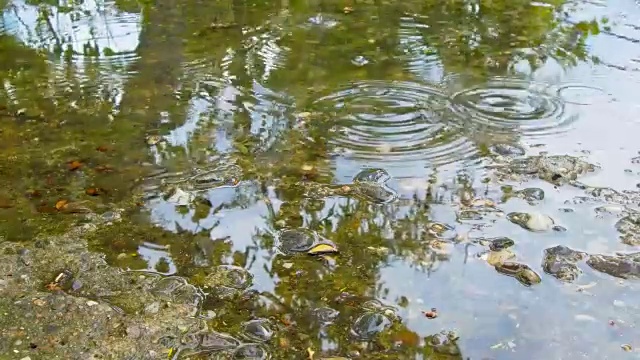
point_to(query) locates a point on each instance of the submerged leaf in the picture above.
(322, 249)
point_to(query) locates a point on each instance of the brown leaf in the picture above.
(52, 286)
(102, 148)
(61, 204)
(75, 165)
(431, 314)
(94, 191)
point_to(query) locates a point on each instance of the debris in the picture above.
(61, 204)
(431, 314)
(322, 249)
(75, 165)
(153, 139)
(94, 191)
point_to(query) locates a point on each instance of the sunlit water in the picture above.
(267, 117)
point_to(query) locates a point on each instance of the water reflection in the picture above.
(310, 177)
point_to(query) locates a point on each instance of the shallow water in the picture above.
(398, 135)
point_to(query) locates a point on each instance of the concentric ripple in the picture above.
(512, 105)
(395, 122)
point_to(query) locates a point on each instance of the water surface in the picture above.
(401, 136)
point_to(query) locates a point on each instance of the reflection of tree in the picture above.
(183, 49)
(483, 36)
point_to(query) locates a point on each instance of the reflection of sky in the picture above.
(152, 253)
(93, 23)
(607, 133)
(105, 26)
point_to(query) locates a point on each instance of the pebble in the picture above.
(539, 222)
(134, 331)
(152, 308)
(584, 317)
(26, 358)
(91, 303)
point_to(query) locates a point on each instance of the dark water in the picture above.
(395, 138)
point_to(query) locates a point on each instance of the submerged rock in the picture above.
(623, 266)
(560, 262)
(499, 243)
(251, 352)
(531, 194)
(258, 330)
(179, 197)
(325, 315)
(369, 324)
(536, 222)
(211, 178)
(442, 231)
(298, 241)
(507, 150)
(228, 280)
(556, 169)
(177, 289)
(521, 272)
(372, 175)
(469, 215)
(291, 241)
(629, 229)
(444, 342)
(498, 257)
(214, 341)
(374, 192)
(370, 185)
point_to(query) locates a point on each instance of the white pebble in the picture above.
(584, 317)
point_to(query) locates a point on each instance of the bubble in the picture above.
(393, 122)
(506, 105)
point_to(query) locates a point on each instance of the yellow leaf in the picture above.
(310, 352)
(322, 249)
